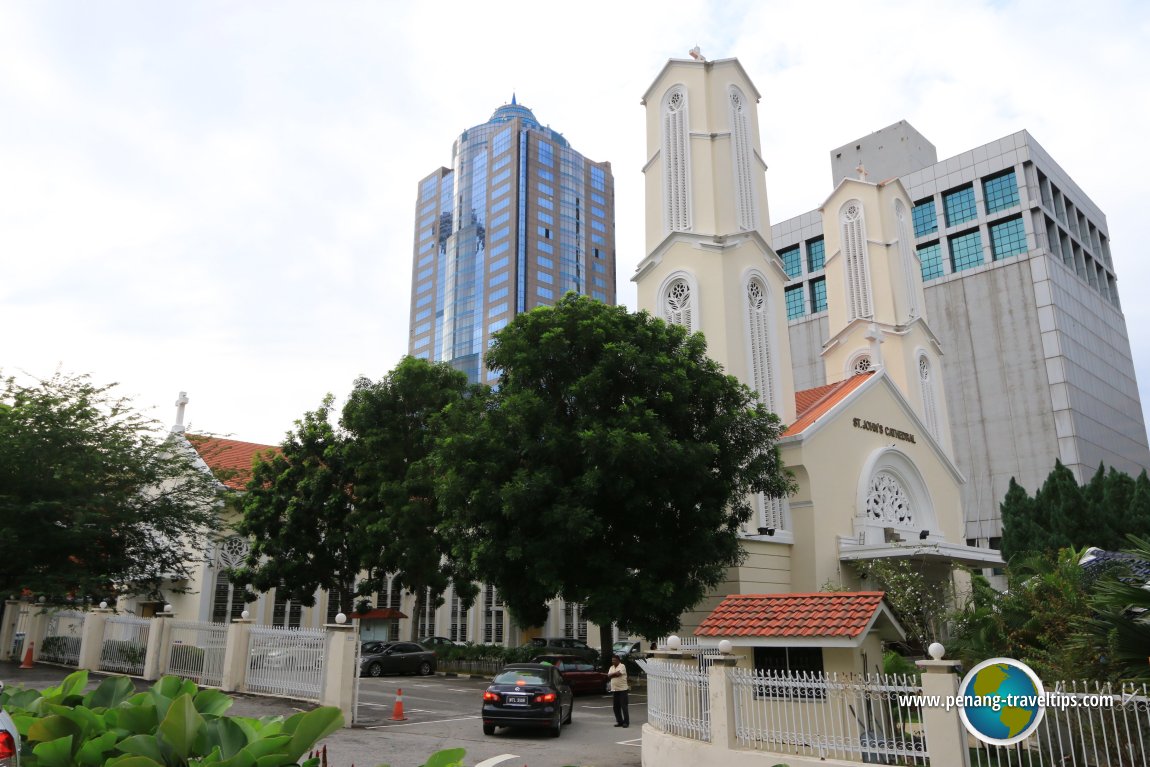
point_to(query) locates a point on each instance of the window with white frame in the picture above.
(929, 406)
(742, 157)
(855, 262)
(906, 252)
(227, 601)
(679, 304)
(493, 609)
(676, 161)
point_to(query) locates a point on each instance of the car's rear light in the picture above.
(493, 696)
(7, 745)
(547, 697)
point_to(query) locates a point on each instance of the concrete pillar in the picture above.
(340, 672)
(235, 674)
(721, 695)
(946, 738)
(12, 609)
(159, 645)
(34, 631)
(92, 638)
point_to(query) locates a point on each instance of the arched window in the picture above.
(742, 159)
(759, 334)
(855, 262)
(909, 260)
(860, 364)
(929, 408)
(676, 161)
(679, 304)
(227, 601)
(888, 502)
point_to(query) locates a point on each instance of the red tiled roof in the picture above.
(825, 614)
(230, 459)
(379, 613)
(813, 404)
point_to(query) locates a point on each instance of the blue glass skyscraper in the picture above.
(519, 219)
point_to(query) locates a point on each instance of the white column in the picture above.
(236, 656)
(946, 737)
(721, 696)
(340, 672)
(92, 638)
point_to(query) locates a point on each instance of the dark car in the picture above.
(440, 642)
(528, 695)
(627, 648)
(579, 672)
(379, 658)
(564, 646)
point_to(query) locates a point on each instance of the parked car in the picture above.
(579, 672)
(379, 658)
(564, 646)
(528, 695)
(290, 658)
(440, 642)
(9, 739)
(627, 649)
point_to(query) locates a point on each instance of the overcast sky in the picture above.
(218, 197)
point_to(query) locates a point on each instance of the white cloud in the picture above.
(218, 197)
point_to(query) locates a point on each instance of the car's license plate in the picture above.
(516, 700)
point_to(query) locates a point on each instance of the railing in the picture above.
(677, 702)
(196, 652)
(848, 717)
(125, 644)
(286, 662)
(1098, 725)
(62, 638)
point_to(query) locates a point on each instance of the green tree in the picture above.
(300, 512)
(1063, 514)
(392, 425)
(93, 495)
(612, 466)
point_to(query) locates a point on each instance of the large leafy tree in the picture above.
(1121, 621)
(93, 496)
(306, 530)
(612, 466)
(1064, 514)
(391, 425)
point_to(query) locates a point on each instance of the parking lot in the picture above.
(443, 712)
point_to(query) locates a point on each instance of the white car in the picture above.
(9, 739)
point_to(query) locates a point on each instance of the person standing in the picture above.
(617, 677)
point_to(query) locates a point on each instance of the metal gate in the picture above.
(288, 662)
(62, 638)
(196, 652)
(125, 644)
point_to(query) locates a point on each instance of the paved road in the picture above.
(443, 712)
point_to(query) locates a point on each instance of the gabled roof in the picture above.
(379, 614)
(812, 404)
(229, 459)
(841, 618)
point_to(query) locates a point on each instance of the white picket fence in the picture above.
(288, 662)
(852, 717)
(62, 637)
(677, 700)
(196, 651)
(1101, 725)
(125, 644)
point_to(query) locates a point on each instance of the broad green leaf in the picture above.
(22, 698)
(309, 727)
(274, 760)
(112, 692)
(93, 753)
(142, 745)
(73, 684)
(52, 727)
(213, 702)
(274, 745)
(181, 726)
(242, 759)
(451, 757)
(130, 760)
(89, 722)
(227, 735)
(135, 719)
(55, 753)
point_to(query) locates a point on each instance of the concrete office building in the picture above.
(1022, 293)
(520, 219)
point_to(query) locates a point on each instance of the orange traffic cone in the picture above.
(397, 711)
(28, 657)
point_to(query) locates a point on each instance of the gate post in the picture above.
(92, 638)
(12, 608)
(339, 669)
(946, 738)
(235, 674)
(158, 645)
(721, 693)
